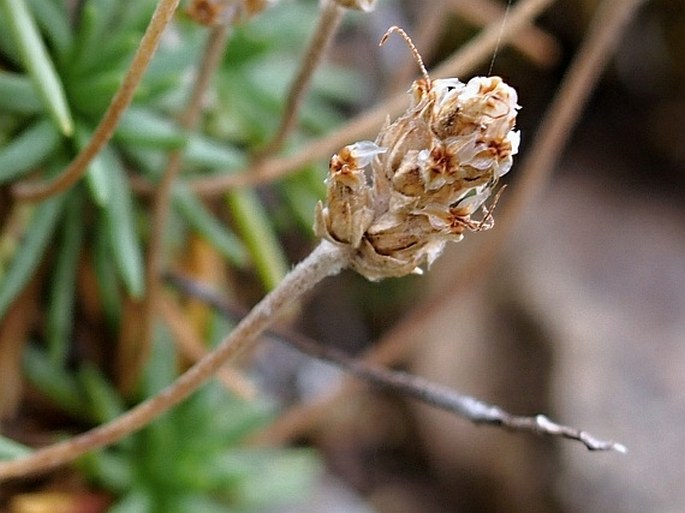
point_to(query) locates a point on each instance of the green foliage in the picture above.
(190, 456)
(59, 72)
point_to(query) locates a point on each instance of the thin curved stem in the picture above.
(329, 20)
(406, 384)
(122, 99)
(162, 201)
(426, 36)
(325, 260)
(191, 346)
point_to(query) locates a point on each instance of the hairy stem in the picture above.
(406, 384)
(122, 99)
(325, 260)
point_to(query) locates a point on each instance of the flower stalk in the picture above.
(325, 260)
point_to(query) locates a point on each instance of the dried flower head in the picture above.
(359, 5)
(212, 13)
(395, 202)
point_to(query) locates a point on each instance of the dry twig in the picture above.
(536, 44)
(406, 384)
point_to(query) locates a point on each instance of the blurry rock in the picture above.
(583, 320)
(605, 270)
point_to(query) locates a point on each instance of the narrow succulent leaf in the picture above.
(30, 253)
(28, 150)
(114, 471)
(121, 225)
(53, 381)
(105, 403)
(38, 63)
(105, 271)
(93, 93)
(252, 221)
(202, 151)
(138, 500)
(9, 449)
(95, 17)
(96, 175)
(204, 223)
(142, 127)
(17, 94)
(63, 287)
(52, 18)
(7, 45)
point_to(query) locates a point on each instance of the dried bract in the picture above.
(212, 13)
(359, 5)
(396, 201)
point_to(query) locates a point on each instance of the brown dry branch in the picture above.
(403, 383)
(189, 118)
(468, 57)
(325, 260)
(192, 348)
(327, 25)
(602, 38)
(163, 14)
(536, 44)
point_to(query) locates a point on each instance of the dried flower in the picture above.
(359, 5)
(396, 201)
(218, 12)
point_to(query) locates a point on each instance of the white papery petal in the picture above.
(472, 203)
(504, 166)
(365, 151)
(514, 139)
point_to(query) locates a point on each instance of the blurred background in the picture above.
(580, 315)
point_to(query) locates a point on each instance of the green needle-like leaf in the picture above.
(37, 61)
(28, 256)
(96, 176)
(205, 152)
(53, 20)
(28, 150)
(63, 288)
(256, 230)
(17, 94)
(53, 381)
(105, 271)
(105, 402)
(9, 449)
(121, 225)
(141, 127)
(202, 221)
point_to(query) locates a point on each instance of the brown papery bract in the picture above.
(398, 200)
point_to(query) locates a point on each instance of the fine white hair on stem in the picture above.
(412, 48)
(417, 388)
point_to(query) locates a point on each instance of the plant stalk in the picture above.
(326, 260)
